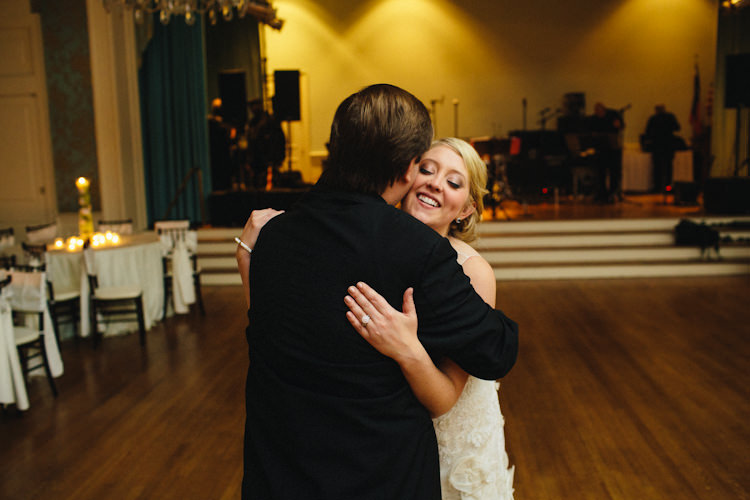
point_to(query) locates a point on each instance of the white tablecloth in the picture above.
(136, 261)
(637, 169)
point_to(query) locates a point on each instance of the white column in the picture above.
(117, 121)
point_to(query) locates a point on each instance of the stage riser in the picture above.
(575, 240)
(616, 272)
(542, 257)
(539, 250)
(593, 226)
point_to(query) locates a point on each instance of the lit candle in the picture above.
(83, 184)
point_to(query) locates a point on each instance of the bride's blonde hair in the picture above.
(466, 230)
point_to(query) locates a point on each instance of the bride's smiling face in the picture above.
(440, 193)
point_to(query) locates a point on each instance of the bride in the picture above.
(447, 196)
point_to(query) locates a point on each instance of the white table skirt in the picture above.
(637, 169)
(137, 261)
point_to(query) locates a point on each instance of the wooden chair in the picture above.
(172, 234)
(64, 307)
(113, 304)
(7, 261)
(120, 226)
(27, 300)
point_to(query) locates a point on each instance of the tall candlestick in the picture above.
(85, 217)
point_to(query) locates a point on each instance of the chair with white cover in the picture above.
(113, 304)
(7, 241)
(42, 233)
(34, 255)
(7, 238)
(64, 305)
(12, 383)
(120, 226)
(32, 329)
(182, 281)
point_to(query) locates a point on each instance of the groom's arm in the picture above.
(455, 322)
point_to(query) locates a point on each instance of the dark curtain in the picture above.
(173, 116)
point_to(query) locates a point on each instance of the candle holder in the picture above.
(85, 216)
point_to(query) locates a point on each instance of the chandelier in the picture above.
(227, 9)
(734, 4)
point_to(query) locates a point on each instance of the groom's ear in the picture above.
(411, 173)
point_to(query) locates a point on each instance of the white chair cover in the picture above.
(27, 292)
(42, 235)
(179, 243)
(183, 291)
(12, 384)
(6, 239)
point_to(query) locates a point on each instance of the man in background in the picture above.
(606, 125)
(661, 141)
(220, 136)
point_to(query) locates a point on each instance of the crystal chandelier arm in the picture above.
(261, 10)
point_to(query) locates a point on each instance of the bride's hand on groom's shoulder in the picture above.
(256, 221)
(393, 333)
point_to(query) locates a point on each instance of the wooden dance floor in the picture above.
(624, 389)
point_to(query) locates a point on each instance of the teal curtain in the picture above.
(173, 116)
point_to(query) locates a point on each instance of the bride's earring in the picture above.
(458, 220)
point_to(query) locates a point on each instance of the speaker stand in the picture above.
(289, 144)
(737, 127)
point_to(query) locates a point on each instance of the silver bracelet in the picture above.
(243, 245)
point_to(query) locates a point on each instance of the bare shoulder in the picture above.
(463, 248)
(478, 270)
(477, 267)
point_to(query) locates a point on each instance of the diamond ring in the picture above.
(365, 320)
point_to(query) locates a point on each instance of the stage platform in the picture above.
(573, 238)
(232, 208)
(631, 206)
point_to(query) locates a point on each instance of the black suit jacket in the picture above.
(328, 417)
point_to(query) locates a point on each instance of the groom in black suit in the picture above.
(328, 417)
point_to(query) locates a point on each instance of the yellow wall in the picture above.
(490, 54)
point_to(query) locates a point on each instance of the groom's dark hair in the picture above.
(374, 136)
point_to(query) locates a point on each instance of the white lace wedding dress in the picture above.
(471, 442)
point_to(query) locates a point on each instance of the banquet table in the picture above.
(637, 169)
(136, 260)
